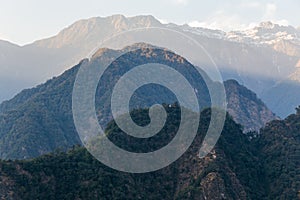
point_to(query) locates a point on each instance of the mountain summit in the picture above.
(283, 39)
(40, 119)
(259, 58)
(95, 29)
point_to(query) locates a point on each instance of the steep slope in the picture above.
(77, 175)
(40, 120)
(7, 53)
(245, 107)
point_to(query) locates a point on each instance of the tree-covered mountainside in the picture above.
(39, 120)
(265, 167)
(77, 175)
(279, 150)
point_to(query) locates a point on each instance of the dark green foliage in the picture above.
(77, 175)
(40, 122)
(279, 151)
(265, 167)
(141, 117)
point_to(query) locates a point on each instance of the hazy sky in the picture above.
(22, 22)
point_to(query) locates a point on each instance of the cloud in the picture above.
(252, 4)
(163, 21)
(221, 21)
(197, 24)
(236, 20)
(270, 11)
(180, 2)
(270, 15)
(282, 22)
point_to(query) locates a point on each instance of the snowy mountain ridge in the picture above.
(266, 33)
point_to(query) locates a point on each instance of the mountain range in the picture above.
(257, 153)
(265, 58)
(39, 120)
(241, 166)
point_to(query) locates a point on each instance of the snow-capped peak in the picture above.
(266, 33)
(266, 25)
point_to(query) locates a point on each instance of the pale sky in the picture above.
(23, 22)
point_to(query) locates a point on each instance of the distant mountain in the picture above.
(46, 58)
(262, 58)
(258, 58)
(246, 108)
(8, 76)
(95, 30)
(284, 39)
(265, 167)
(40, 120)
(283, 93)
